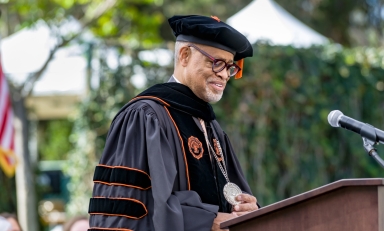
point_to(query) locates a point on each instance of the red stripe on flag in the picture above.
(4, 118)
(7, 158)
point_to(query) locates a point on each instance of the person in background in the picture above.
(77, 223)
(4, 224)
(12, 220)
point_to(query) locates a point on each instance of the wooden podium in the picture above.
(353, 205)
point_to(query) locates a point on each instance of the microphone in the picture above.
(337, 119)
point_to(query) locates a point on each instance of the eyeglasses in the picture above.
(219, 64)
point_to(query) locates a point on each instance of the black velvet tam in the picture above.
(211, 31)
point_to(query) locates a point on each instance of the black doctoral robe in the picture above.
(148, 176)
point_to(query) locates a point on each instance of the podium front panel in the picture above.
(349, 208)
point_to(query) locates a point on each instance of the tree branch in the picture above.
(28, 85)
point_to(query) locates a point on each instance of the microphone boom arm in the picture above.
(368, 146)
(369, 135)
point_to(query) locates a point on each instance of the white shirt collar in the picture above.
(177, 81)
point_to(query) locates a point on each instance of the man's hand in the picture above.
(247, 204)
(221, 217)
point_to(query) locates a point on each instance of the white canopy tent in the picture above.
(266, 20)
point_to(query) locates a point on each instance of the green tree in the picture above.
(53, 139)
(276, 116)
(124, 25)
(348, 22)
(290, 85)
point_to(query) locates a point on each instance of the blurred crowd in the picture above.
(9, 222)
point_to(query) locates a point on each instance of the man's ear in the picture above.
(184, 55)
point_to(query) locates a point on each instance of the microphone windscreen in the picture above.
(333, 118)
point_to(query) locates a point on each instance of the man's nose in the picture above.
(223, 74)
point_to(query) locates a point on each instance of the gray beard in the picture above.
(212, 97)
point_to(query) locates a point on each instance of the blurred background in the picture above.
(68, 66)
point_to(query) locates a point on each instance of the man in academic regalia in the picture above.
(167, 164)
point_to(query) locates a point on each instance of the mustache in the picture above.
(217, 80)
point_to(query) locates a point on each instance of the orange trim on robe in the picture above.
(150, 97)
(118, 184)
(182, 147)
(120, 229)
(123, 167)
(120, 215)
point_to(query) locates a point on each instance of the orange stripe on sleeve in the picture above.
(123, 167)
(119, 229)
(121, 215)
(117, 184)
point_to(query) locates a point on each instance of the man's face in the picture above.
(206, 84)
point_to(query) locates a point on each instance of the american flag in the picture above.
(7, 141)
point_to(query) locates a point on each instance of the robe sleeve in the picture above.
(134, 181)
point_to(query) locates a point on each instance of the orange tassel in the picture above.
(239, 74)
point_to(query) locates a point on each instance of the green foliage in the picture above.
(276, 116)
(277, 119)
(53, 139)
(91, 125)
(7, 193)
(221, 9)
(131, 24)
(348, 22)
(125, 26)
